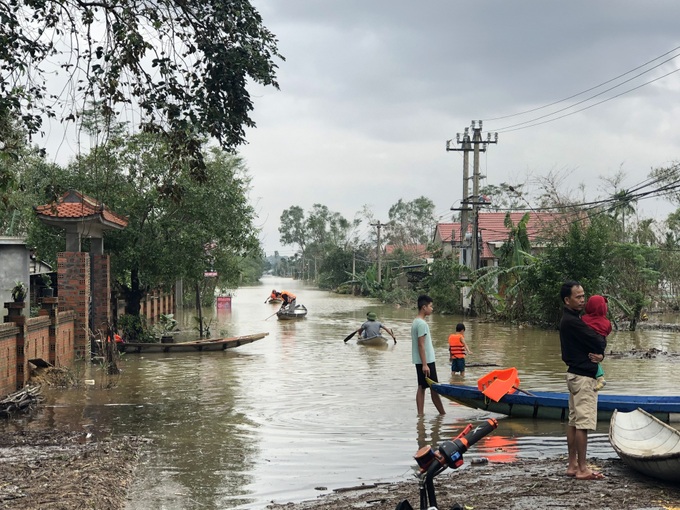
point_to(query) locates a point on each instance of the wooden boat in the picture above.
(550, 405)
(219, 344)
(646, 444)
(299, 313)
(274, 301)
(374, 341)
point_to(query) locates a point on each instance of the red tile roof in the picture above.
(76, 206)
(492, 228)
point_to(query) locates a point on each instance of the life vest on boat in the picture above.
(456, 348)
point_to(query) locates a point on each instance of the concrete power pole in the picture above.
(476, 144)
(377, 250)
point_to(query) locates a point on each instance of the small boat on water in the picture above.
(274, 301)
(374, 341)
(286, 315)
(646, 444)
(219, 344)
(549, 405)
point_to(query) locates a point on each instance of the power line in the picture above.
(507, 128)
(591, 88)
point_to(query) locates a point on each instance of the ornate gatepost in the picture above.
(83, 279)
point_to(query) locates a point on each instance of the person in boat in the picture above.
(582, 349)
(422, 355)
(273, 295)
(596, 318)
(289, 300)
(458, 349)
(371, 328)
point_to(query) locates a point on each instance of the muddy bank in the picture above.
(522, 485)
(65, 470)
(71, 471)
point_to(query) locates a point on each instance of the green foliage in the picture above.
(19, 291)
(134, 329)
(443, 284)
(411, 222)
(317, 235)
(185, 66)
(580, 254)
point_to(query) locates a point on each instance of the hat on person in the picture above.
(371, 316)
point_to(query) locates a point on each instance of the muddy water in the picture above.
(300, 412)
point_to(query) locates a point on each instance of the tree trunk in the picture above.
(133, 294)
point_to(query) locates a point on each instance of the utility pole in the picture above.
(476, 144)
(377, 249)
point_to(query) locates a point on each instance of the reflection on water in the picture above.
(301, 409)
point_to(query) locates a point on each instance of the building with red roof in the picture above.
(493, 233)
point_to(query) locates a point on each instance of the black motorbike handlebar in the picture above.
(453, 451)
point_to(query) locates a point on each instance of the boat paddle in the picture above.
(272, 315)
(350, 336)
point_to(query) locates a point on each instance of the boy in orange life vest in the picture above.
(458, 349)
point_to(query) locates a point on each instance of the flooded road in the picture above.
(300, 413)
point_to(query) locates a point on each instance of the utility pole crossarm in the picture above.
(475, 144)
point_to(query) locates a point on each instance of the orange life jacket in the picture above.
(456, 348)
(288, 296)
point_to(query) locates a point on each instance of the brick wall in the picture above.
(8, 358)
(36, 345)
(74, 290)
(48, 337)
(64, 351)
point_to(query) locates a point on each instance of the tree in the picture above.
(411, 223)
(183, 66)
(317, 235)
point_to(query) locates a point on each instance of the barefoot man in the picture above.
(582, 350)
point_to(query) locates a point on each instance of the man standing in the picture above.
(582, 350)
(422, 354)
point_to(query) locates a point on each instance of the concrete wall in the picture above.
(14, 265)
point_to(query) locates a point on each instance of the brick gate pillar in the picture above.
(73, 279)
(101, 293)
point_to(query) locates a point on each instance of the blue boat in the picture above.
(549, 405)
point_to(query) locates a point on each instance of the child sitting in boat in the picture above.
(596, 318)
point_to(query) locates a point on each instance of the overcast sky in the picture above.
(372, 89)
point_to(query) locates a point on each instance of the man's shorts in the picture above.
(421, 377)
(582, 401)
(458, 365)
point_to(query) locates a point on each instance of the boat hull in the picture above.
(300, 312)
(549, 405)
(646, 444)
(375, 341)
(197, 346)
(275, 301)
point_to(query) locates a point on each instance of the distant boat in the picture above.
(646, 444)
(374, 341)
(549, 405)
(274, 301)
(286, 315)
(219, 344)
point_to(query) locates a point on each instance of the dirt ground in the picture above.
(69, 471)
(65, 470)
(522, 485)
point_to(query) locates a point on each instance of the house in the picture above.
(492, 233)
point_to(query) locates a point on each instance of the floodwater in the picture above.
(300, 413)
